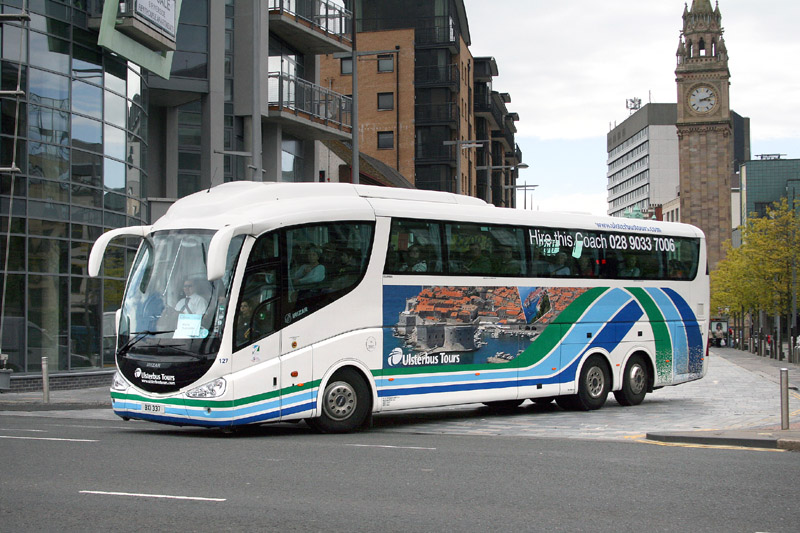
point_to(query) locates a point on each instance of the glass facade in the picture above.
(80, 135)
(767, 181)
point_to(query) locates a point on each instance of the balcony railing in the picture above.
(436, 75)
(298, 95)
(486, 105)
(436, 113)
(326, 16)
(435, 152)
(441, 32)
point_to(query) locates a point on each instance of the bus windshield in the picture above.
(170, 308)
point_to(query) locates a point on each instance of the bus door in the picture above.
(256, 340)
(298, 296)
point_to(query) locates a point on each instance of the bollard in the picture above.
(45, 382)
(784, 398)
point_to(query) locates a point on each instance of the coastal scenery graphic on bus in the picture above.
(499, 325)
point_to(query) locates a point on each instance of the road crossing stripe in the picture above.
(387, 446)
(46, 438)
(140, 495)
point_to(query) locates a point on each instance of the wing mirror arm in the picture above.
(100, 245)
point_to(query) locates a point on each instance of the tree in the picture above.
(758, 275)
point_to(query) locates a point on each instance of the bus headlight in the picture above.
(119, 383)
(212, 389)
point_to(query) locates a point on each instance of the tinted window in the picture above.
(507, 251)
(414, 247)
(293, 273)
(325, 261)
(486, 250)
(557, 252)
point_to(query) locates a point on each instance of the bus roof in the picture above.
(262, 203)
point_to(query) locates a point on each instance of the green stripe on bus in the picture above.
(219, 404)
(274, 394)
(550, 337)
(660, 332)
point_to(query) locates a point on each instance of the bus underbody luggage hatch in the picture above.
(99, 248)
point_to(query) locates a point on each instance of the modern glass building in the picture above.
(73, 153)
(93, 140)
(767, 180)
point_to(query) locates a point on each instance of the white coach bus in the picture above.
(252, 303)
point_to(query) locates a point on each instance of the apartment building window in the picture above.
(385, 63)
(385, 140)
(347, 66)
(385, 101)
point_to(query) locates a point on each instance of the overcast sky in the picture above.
(569, 66)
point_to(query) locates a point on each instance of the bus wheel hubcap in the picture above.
(595, 381)
(340, 400)
(637, 379)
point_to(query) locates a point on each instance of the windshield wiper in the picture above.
(176, 348)
(139, 335)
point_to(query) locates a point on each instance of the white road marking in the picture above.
(164, 496)
(24, 430)
(46, 438)
(387, 446)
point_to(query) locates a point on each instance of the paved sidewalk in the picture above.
(60, 400)
(769, 436)
(737, 404)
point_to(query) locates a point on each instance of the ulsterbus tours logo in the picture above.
(153, 378)
(398, 358)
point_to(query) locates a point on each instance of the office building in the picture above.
(423, 100)
(767, 180)
(95, 139)
(643, 160)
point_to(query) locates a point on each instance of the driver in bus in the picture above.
(192, 303)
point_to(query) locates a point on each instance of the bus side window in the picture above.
(414, 248)
(259, 293)
(256, 306)
(326, 262)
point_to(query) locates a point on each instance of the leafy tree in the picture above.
(758, 274)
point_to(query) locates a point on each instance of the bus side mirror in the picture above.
(100, 245)
(218, 249)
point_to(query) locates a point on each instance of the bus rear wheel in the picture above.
(593, 385)
(345, 403)
(634, 382)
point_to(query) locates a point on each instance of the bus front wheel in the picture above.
(593, 385)
(634, 383)
(345, 403)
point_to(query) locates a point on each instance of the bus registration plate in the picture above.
(152, 408)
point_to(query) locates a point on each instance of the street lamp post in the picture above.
(525, 188)
(489, 177)
(461, 145)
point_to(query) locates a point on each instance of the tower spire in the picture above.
(701, 7)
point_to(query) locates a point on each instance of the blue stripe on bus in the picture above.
(251, 409)
(261, 412)
(608, 337)
(694, 337)
(595, 318)
(455, 387)
(680, 344)
(427, 380)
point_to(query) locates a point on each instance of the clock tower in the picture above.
(705, 133)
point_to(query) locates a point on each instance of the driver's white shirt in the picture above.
(196, 305)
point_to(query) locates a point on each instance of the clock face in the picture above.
(702, 99)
